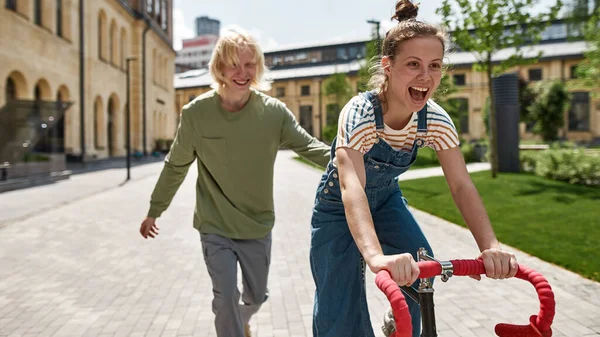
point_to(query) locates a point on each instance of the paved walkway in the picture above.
(73, 264)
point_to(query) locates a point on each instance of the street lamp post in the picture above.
(128, 123)
(375, 34)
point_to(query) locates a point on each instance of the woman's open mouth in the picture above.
(418, 94)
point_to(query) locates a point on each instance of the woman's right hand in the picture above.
(402, 267)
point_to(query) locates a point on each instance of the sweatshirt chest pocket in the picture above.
(213, 151)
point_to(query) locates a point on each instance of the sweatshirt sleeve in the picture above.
(295, 138)
(181, 155)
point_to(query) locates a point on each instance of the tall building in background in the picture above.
(207, 26)
(195, 53)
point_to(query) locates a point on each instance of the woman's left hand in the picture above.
(498, 264)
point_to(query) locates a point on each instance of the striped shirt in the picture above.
(357, 128)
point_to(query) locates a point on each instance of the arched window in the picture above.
(124, 50)
(59, 18)
(102, 40)
(113, 44)
(11, 90)
(37, 12)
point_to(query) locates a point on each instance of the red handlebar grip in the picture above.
(398, 302)
(510, 330)
(539, 325)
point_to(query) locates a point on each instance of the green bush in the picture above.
(572, 166)
(528, 160)
(329, 132)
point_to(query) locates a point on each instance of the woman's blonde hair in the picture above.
(225, 54)
(407, 28)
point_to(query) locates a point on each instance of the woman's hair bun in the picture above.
(405, 10)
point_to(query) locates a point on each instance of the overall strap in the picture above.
(422, 120)
(421, 126)
(372, 96)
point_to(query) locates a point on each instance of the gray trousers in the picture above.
(222, 256)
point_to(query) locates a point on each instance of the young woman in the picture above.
(360, 214)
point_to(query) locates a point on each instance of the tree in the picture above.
(548, 108)
(370, 58)
(442, 96)
(485, 27)
(336, 86)
(588, 71)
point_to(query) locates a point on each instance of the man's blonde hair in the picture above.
(225, 54)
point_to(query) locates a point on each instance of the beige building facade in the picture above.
(79, 52)
(299, 73)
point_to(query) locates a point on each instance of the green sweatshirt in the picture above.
(235, 154)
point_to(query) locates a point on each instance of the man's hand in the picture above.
(149, 228)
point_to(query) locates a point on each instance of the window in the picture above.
(574, 71)
(305, 90)
(59, 26)
(342, 54)
(157, 8)
(102, 31)
(280, 91)
(11, 90)
(37, 12)
(163, 16)
(459, 79)
(535, 74)
(11, 4)
(579, 115)
(149, 6)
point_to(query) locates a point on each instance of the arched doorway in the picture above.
(11, 90)
(112, 125)
(59, 127)
(109, 127)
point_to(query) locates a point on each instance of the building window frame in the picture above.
(59, 18)
(579, 113)
(10, 4)
(305, 90)
(535, 74)
(459, 79)
(37, 12)
(280, 92)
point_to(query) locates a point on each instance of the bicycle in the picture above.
(401, 326)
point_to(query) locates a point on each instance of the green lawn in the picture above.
(555, 221)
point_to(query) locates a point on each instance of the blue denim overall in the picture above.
(340, 307)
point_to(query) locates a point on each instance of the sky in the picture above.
(279, 23)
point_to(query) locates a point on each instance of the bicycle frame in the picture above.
(424, 295)
(539, 325)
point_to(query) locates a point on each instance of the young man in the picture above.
(234, 133)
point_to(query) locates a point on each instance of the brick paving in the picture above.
(77, 266)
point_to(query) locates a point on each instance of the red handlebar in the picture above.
(539, 325)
